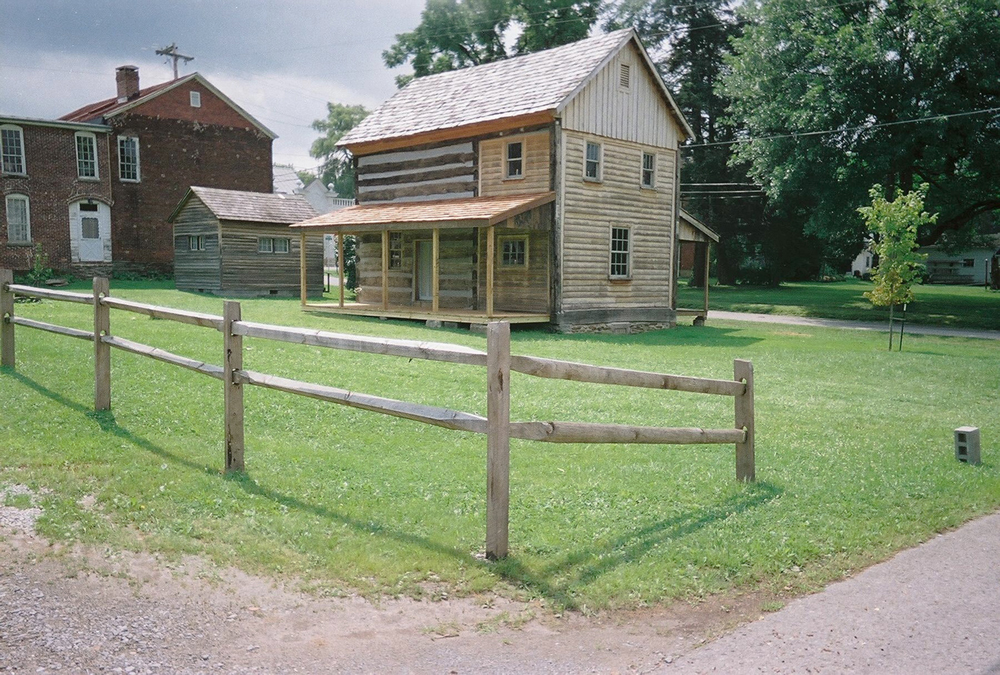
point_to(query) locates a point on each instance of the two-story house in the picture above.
(95, 188)
(542, 188)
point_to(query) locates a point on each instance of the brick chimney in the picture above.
(127, 79)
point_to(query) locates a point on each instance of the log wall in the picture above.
(244, 270)
(536, 165)
(441, 172)
(197, 270)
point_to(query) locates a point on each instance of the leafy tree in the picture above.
(895, 224)
(305, 175)
(456, 34)
(337, 168)
(864, 69)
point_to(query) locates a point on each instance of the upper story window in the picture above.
(395, 250)
(592, 162)
(128, 158)
(620, 248)
(12, 149)
(648, 170)
(86, 155)
(195, 99)
(515, 160)
(18, 220)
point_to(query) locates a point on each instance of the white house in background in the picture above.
(319, 196)
(286, 181)
(864, 262)
(968, 266)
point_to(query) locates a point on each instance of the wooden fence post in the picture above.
(233, 361)
(6, 319)
(497, 439)
(102, 350)
(745, 464)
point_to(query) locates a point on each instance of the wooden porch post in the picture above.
(385, 269)
(6, 319)
(490, 254)
(435, 302)
(340, 264)
(708, 246)
(303, 288)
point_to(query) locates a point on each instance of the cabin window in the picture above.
(196, 242)
(86, 155)
(18, 220)
(620, 248)
(648, 170)
(195, 99)
(128, 159)
(514, 251)
(515, 160)
(273, 245)
(592, 162)
(624, 76)
(395, 250)
(12, 149)
(968, 262)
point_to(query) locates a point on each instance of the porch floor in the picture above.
(469, 316)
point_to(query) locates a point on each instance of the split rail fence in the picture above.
(497, 360)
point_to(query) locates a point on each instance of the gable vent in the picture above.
(624, 75)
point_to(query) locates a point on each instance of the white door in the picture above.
(425, 269)
(90, 231)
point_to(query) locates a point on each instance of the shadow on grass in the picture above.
(557, 581)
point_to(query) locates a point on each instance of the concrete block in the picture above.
(967, 445)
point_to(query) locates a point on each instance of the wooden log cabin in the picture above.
(540, 189)
(238, 243)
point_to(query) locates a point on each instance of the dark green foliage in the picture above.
(337, 168)
(456, 34)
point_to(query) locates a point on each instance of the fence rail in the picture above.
(497, 360)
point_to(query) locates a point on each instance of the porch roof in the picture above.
(439, 213)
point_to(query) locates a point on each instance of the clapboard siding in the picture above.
(591, 209)
(456, 271)
(639, 114)
(536, 162)
(197, 270)
(244, 269)
(447, 171)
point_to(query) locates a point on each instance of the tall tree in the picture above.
(864, 69)
(459, 33)
(689, 42)
(337, 168)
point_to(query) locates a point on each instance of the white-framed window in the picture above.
(273, 245)
(128, 159)
(196, 242)
(625, 76)
(592, 162)
(18, 220)
(514, 251)
(621, 267)
(86, 155)
(395, 250)
(515, 160)
(195, 99)
(12, 149)
(648, 170)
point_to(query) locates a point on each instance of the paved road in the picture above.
(933, 609)
(855, 325)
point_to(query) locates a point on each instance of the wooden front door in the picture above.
(424, 272)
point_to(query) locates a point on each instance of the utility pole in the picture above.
(172, 53)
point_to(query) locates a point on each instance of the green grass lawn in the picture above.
(854, 458)
(935, 304)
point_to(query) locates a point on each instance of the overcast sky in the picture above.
(281, 60)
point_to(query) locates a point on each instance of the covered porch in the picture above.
(692, 232)
(469, 260)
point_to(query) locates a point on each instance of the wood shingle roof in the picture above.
(256, 207)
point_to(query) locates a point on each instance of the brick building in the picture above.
(95, 187)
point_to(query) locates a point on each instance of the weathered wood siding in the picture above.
(590, 209)
(536, 163)
(638, 114)
(517, 288)
(456, 271)
(197, 270)
(244, 270)
(442, 172)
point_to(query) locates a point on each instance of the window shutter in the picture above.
(624, 76)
